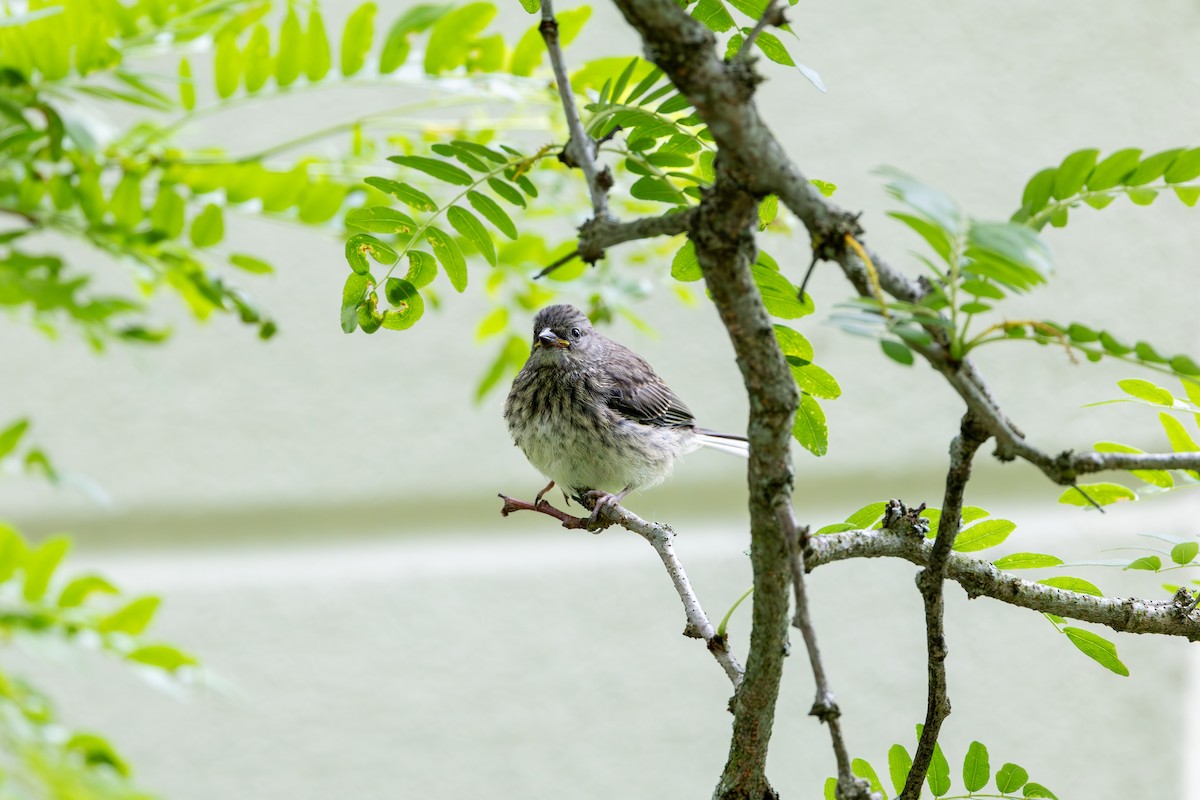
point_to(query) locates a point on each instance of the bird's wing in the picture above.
(637, 393)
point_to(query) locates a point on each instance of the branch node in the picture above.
(905, 521)
(1184, 603)
(825, 708)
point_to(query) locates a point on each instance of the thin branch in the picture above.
(825, 707)
(772, 15)
(983, 579)
(661, 538)
(597, 235)
(931, 582)
(580, 149)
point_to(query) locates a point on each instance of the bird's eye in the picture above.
(575, 333)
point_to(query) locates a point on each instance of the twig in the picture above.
(580, 148)
(558, 262)
(931, 583)
(597, 235)
(825, 707)
(661, 538)
(772, 15)
(983, 579)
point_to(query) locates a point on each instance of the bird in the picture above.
(595, 418)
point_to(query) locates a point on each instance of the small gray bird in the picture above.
(593, 417)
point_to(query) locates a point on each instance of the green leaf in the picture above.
(658, 190)
(11, 436)
(361, 245)
(410, 196)
(1102, 493)
(816, 381)
(1027, 561)
(187, 88)
(830, 791)
(1073, 172)
(1185, 552)
(863, 769)
(288, 60)
(1149, 563)
(354, 291)
(495, 322)
(809, 428)
(712, 14)
(12, 551)
(131, 618)
(779, 295)
(449, 256)
(1114, 169)
(1070, 584)
(163, 656)
(1156, 477)
(407, 305)
(317, 59)
(1037, 790)
(208, 228)
(1152, 167)
(1010, 778)
(983, 535)
(381, 219)
(938, 777)
(257, 59)
(1188, 195)
(452, 36)
(396, 46)
(976, 770)
(251, 264)
(1097, 648)
(357, 38)
(1181, 441)
(507, 191)
(897, 352)
(867, 516)
(422, 268)
(837, 527)
(793, 344)
(1185, 167)
(94, 750)
(435, 168)
(472, 229)
(899, 765)
(126, 201)
(76, 592)
(685, 267)
(493, 213)
(227, 63)
(40, 563)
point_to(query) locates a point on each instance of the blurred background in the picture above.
(319, 511)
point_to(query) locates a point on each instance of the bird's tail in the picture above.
(725, 442)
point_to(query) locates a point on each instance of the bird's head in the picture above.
(562, 332)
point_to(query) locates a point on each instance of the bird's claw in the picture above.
(600, 503)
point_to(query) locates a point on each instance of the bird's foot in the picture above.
(600, 503)
(537, 501)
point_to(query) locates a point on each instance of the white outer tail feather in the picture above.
(735, 445)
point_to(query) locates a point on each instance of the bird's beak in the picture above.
(547, 338)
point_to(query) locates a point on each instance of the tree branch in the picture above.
(931, 583)
(772, 15)
(661, 538)
(725, 250)
(598, 234)
(824, 706)
(580, 150)
(983, 579)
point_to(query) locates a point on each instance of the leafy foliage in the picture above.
(1009, 780)
(1084, 178)
(87, 611)
(69, 167)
